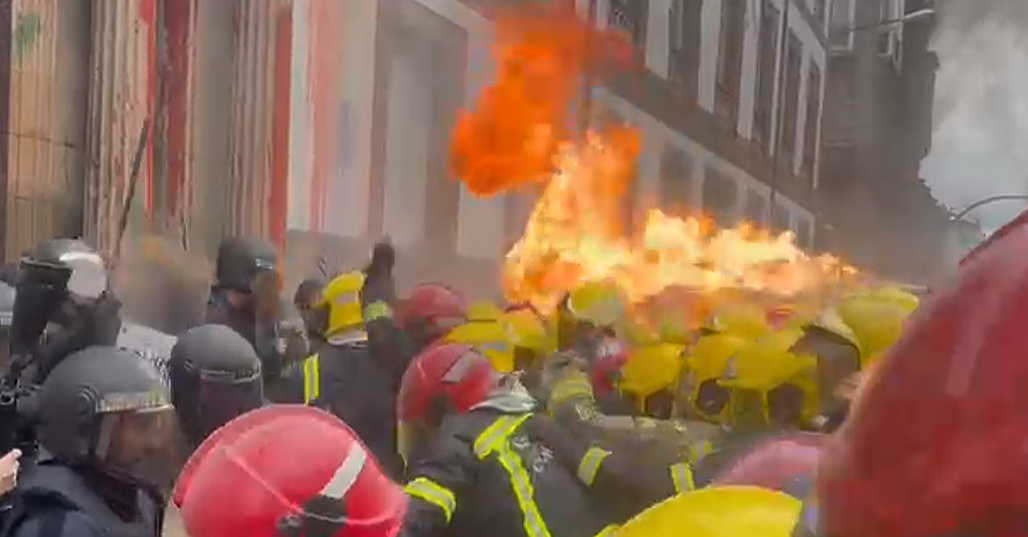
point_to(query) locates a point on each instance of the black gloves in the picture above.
(379, 285)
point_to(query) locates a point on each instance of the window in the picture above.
(767, 54)
(819, 12)
(792, 95)
(675, 177)
(805, 233)
(756, 207)
(810, 139)
(729, 61)
(630, 17)
(781, 220)
(841, 24)
(685, 35)
(719, 195)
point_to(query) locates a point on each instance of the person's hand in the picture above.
(379, 285)
(9, 467)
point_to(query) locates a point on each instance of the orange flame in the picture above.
(518, 135)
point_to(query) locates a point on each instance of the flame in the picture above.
(577, 231)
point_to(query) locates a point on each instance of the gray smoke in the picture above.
(981, 106)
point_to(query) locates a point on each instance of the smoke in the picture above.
(981, 106)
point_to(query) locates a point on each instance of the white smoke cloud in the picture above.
(980, 140)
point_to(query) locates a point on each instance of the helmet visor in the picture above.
(222, 396)
(140, 445)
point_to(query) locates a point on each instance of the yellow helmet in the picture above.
(637, 332)
(340, 299)
(705, 362)
(730, 511)
(490, 338)
(601, 303)
(484, 311)
(876, 318)
(650, 370)
(743, 320)
(769, 384)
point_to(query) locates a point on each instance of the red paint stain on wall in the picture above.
(279, 191)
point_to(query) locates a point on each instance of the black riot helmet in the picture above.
(242, 261)
(105, 409)
(215, 376)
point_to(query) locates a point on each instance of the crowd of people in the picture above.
(351, 411)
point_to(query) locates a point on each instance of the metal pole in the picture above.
(985, 201)
(776, 144)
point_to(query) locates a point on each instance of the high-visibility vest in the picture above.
(311, 379)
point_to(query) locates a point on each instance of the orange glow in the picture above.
(518, 135)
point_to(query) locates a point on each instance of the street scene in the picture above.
(522, 268)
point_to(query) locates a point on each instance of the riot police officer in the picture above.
(105, 427)
(245, 297)
(63, 291)
(215, 376)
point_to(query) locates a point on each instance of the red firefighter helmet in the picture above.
(432, 309)
(935, 442)
(611, 356)
(786, 463)
(445, 378)
(287, 470)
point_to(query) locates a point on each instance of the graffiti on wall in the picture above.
(26, 32)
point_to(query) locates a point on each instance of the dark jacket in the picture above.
(51, 500)
(484, 473)
(360, 389)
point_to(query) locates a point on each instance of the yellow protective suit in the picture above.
(734, 511)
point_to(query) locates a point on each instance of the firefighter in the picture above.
(106, 431)
(837, 353)
(590, 315)
(473, 440)
(488, 337)
(288, 470)
(935, 443)
(215, 376)
(345, 376)
(700, 392)
(429, 312)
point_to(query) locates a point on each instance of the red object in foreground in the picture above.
(265, 473)
(935, 444)
(786, 463)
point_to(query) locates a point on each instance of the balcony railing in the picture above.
(629, 16)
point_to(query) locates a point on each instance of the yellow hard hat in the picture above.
(526, 329)
(484, 311)
(704, 364)
(744, 320)
(490, 338)
(877, 317)
(341, 299)
(765, 363)
(637, 332)
(601, 303)
(651, 369)
(830, 321)
(730, 511)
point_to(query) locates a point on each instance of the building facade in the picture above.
(877, 129)
(324, 124)
(729, 104)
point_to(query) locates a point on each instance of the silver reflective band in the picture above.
(346, 475)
